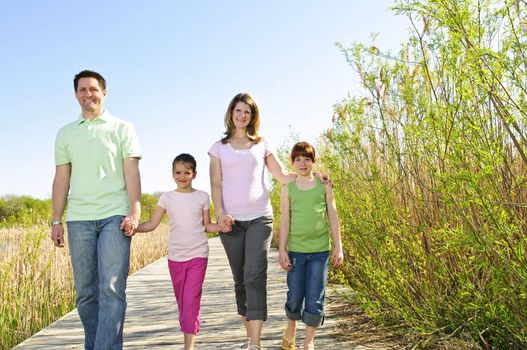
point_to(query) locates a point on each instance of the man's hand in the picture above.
(129, 225)
(57, 235)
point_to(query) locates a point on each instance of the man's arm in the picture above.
(59, 196)
(133, 187)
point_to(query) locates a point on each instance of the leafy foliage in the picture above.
(430, 170)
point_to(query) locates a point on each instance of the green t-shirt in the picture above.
(309, 231)
(96, 150)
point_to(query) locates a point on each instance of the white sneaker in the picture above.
(254, 347)
(246, 343)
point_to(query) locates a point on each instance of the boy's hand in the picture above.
(337, 258)
(285, 262)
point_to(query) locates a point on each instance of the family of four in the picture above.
(97, 176)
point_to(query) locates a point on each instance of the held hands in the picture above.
(129, 225)
(285, 262)
(225, 221)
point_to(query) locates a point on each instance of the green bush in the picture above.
(430, 172)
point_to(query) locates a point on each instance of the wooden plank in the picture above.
(152, 320)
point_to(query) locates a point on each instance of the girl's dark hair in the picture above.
(187, 159)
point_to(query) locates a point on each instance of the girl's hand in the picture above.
(225, 228)
(337, 257)
(285, 263)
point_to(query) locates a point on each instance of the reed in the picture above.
(429, 169)
(36, 280)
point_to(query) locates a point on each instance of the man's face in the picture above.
(90, 96)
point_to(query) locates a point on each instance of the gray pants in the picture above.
(247, 246)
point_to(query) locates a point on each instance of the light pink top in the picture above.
(244, 192)
(187, 239)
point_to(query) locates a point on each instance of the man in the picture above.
(97, 159)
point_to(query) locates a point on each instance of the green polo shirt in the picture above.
(96, 150)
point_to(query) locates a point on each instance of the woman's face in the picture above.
(241, 115)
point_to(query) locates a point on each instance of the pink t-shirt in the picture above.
(244, 192)
(187, 239)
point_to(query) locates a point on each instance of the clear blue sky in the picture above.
(172, 68)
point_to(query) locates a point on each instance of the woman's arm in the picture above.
(154, 221)
(215, 185)
(277, 169)
(337, 256)
(217, 192)
(285, 224)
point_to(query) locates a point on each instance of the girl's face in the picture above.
(303, 165)
(183, 175)
(241, 115)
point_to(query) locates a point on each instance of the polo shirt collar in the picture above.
(105, 116)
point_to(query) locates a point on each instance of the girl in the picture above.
(189, 219)
(308, 214)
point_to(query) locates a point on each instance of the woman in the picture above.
(240, 198)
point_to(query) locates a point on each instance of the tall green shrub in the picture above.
(430, 169)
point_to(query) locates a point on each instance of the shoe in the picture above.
(246, 343)
(254, 347)
(287, 344)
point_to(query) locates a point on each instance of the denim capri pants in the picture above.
(307, 287)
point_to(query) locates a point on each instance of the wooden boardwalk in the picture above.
(152, 319)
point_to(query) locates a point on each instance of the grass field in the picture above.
(36, 281)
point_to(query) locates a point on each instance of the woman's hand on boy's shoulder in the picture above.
(324, 178)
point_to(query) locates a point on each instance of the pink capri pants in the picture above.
(187, 280)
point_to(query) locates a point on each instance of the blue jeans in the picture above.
(100, 256)
(307, 287)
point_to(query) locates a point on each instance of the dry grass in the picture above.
(148, 247)
(354, 325)
(36, 281)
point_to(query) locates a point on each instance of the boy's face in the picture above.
(183, 175)
(303, 165)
